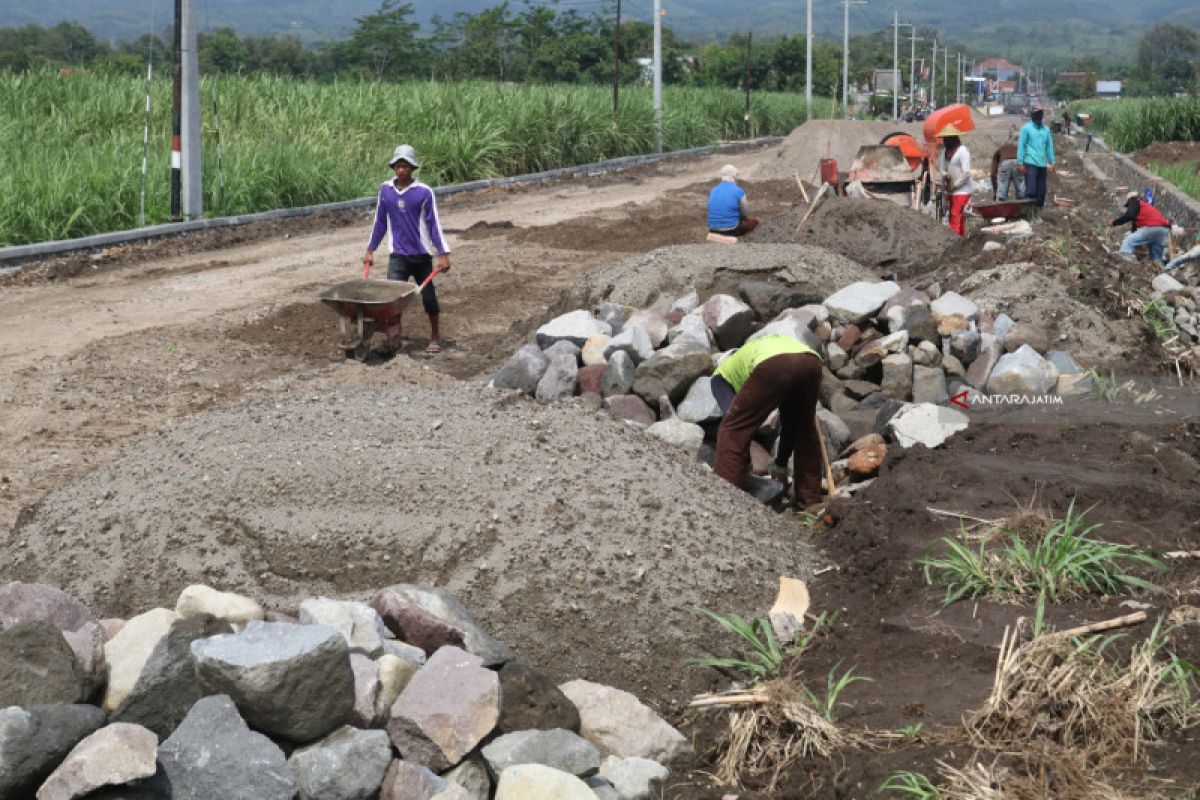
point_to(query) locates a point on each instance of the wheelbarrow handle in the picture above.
(425, 283)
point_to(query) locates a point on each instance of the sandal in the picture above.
(433, 348)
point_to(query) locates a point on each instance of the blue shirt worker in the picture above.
(728, 212)
(409, 208)
(1035, 152)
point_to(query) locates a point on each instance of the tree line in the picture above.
(1168, 63)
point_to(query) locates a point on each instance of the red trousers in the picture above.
(791, 383)
(958, 204)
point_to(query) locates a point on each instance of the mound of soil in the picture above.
(871, 232)
(540, 518)
(801, 152)
(659, 277)
(1168, 153)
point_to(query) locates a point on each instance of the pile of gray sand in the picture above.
(579, 541)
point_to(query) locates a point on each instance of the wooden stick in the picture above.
(1170, 244)
(800, 183)
(816, 202)
(942, 513)
(1095, 627)
(1182, 553)
(729, 700)
(830, 485)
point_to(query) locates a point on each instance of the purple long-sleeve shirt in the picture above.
(411, 213)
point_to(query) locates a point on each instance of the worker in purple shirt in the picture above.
(409, 208)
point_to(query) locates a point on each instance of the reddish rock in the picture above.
(24, 602)
(866, 462)
(630, 407)
(367, 690)
(589, 379)
(849, 338)
(951, 323)
(863, 442)
(675, 317)
(413, 624)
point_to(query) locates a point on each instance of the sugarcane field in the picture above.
(851, 456)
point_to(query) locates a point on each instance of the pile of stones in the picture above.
(894, 357)
(402, 698)
(1184, 304)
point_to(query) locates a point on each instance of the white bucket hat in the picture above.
(404, 152)
(729, 173)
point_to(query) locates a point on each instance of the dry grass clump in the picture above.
(775, 725)
(1056, 689)
(1063, 776)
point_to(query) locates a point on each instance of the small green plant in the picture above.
(828, 703)
(908, 784)
(1157, 315)
(1106, 388)
(764, 654)
(1064, 560)
(914, 731)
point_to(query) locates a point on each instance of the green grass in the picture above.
(1157, 314)
(762, 653)
(71, 147)
(1064, 561)
(1186, 176)
(827, 703)
(907, 784)
(1129, 125)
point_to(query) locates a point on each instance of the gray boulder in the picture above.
(671, 374)
(167, 687)
(614, 314)
(859, 301)
(620, 724)
(675, 431)
(348, 764)
(728, 318)
(1022, 372)
(618, 374)
(575, 327)
(634, 341)
(897, 376)
(558, 382)
(37, 666)
(921, 326)
(472, 776)
(768, 299)
(529, 700)
(448, 609)
(790, 326)
(926, 424)
(358, 623)
(567, 348)
(929, 385)
(633, 778)
(964, 345)
(692, 329)
(686, 304)
(34, 740)
(116, 754)
(523, 371)
(764, 490)
(213, 753)
(1001, 326)
(408, 781)
(559, 749)
(292, 681)
(699, 405)
(985, 361)
(1022, 333)
(447, 709)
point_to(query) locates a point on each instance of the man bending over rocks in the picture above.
(760, 376)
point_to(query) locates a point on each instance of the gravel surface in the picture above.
(575, 539)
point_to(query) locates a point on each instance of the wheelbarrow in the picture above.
(367, 307)
(1008, 209)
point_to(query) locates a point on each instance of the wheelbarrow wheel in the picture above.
(359, 352)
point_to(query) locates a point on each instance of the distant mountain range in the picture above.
(1018, 29)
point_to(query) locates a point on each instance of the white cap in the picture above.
(1132, 196)
(404, 152)
(730, 173)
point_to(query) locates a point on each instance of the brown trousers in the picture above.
(791, 383)
(746, 225)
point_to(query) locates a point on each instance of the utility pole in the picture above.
(187, 186)
(658, 114)
(746, 116)
(846, 52)
(912, 63)
(616, 58)
(945, 72)
(895, 64)
(808, 62)
(958, 74)
(933, 77)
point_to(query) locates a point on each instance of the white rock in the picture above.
(927, 424)
(699, 405)
(1022, 372)
(858, 301)
(128, 651)
(198, 599)
(358, 623)
(683, 434)
(619, 724)
(536, 782)
(952, 303)
(575, 327)
(1165, 283)
(632, 777)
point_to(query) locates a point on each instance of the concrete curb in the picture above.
(1176, 205)
(11, 257)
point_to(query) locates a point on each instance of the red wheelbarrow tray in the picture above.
(1009, 209)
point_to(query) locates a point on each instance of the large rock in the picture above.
(394, 675)
(214, 754)
(686, 304)
(897, 376)
(614, 314)
(1072, 378)
(964, 345)
(114, 755)
(413, 624)
(558, 382)
(564, 348)
(925, 423)
(447, 709)
(199, 600)
(37, 666)
(408, 781)
(128, 651)
(925, 354)
(985, 361)
(859, 301)
(523, 371)
(633, 778)
(669, 374)
(652, 323)
(167, 687)
(1026, 333)
(560, 749)
(26, 602)
(358, 623)
(952, 304)
(448, 609)
(1165, 283)
(472, 776)
(348, 764)
(634, 341)
(692, 330)
(728, 318)
(619, 724)
(291, 681)
(575, 327)
(794, 327)
(921, 325)
(631, 409)
(675, 431)
(768, 299)
(592, 353)
(617, 378)
(929, 385)
(1022, 372)
(34, 740)
(529, 700)
(699, 405)
(537, 782)
(369, 710)
(897, 309)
